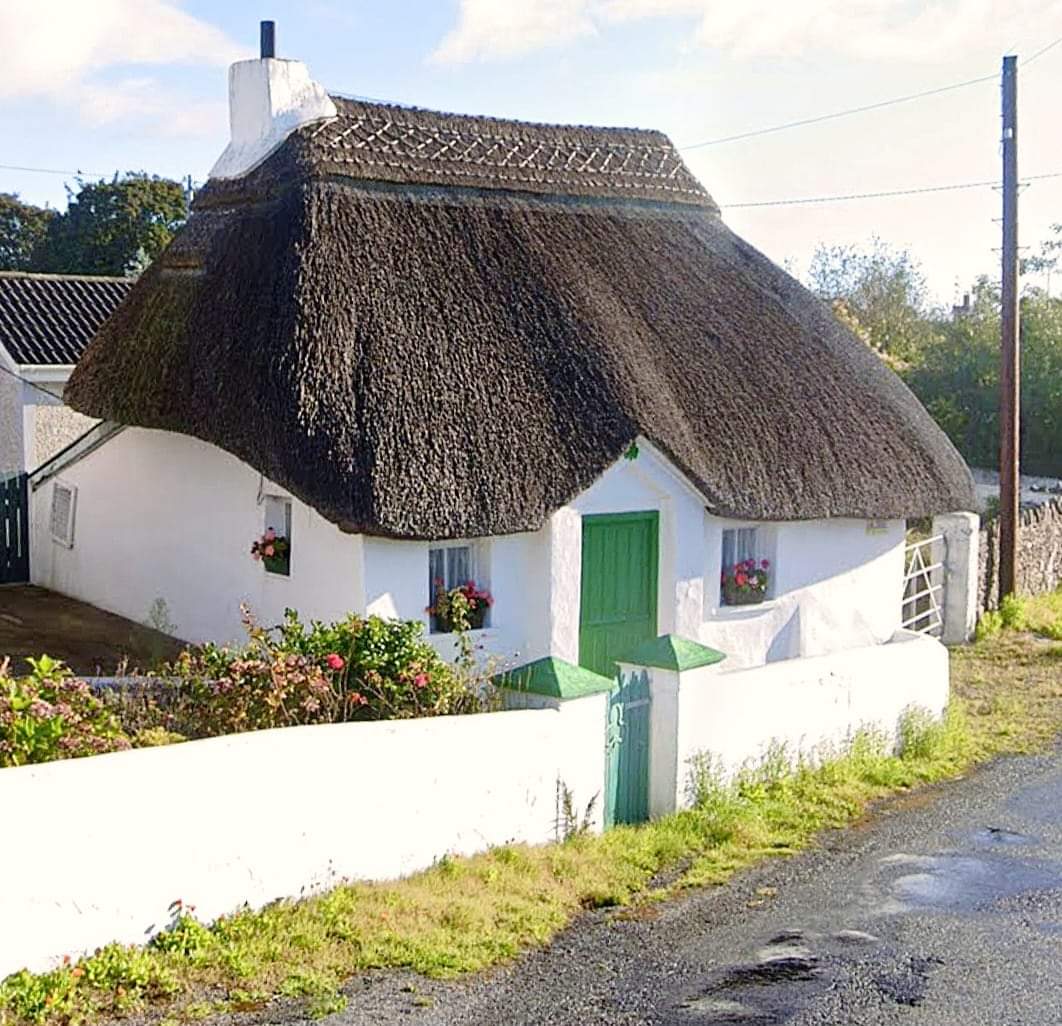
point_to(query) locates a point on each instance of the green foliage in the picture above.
(1012, 612)
(114, 227)
(50, 715)
(23, 228)
(989, 625)
(879, 292)
(952, 362)
(359, 668)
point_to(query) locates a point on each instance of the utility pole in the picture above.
(1010, 369)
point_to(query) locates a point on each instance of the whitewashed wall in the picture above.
(278, 813)
(161, 515)
(837, 585)
(807, 703)
(165, 516)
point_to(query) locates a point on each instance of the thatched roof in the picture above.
(427, 325)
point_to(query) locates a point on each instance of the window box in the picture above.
(746, 577)
(452, 567)
(734, 596)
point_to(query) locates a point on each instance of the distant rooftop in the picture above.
(48, 319)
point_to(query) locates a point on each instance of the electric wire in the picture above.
(885, 193)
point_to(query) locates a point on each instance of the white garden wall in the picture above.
(278, 813)
(809, 703)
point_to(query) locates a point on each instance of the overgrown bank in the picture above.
(465, 914)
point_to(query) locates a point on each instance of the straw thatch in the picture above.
(432, 326)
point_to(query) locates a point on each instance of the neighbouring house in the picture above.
(425, 347)
(46, 320)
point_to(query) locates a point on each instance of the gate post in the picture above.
(580, 697)
(665, 660)
(961, 532)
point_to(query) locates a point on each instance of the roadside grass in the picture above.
(466, 914)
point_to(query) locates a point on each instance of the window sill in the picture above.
(749, 612)
(475, 632)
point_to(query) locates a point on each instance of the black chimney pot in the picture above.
(269, 45)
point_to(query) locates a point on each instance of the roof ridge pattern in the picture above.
(427, 147)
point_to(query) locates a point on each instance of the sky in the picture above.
(118, 85)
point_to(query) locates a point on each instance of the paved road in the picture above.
(946, 908)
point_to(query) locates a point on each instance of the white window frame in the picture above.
(476, 564)
(271, 500)
(763, 547)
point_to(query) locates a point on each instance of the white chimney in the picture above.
(268, 99)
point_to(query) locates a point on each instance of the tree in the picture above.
(878, 292)
(22, 230)
(116, 227)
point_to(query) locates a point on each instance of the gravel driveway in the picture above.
(944, 908)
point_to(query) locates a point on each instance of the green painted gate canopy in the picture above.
(556, 678)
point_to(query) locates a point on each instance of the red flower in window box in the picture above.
(461, 608)
(745, 583)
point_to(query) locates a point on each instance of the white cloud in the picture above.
(862, 29)
(499, 29)
(61, 50)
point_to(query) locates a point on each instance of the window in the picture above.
(278, 520)
(64, 505)
(746, 576)
(450, 566)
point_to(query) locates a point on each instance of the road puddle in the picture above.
(961, 883)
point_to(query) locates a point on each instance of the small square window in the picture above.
(746, 573)
(278, 523)
(449, 567)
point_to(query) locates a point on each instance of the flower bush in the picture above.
(746, 582)
(359, 668)
(461, 608)
(274, 550)
(50, 715)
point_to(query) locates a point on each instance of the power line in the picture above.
(866, 107)
(50, 170)
(841, 113)
(1041, 51)
(880, 195)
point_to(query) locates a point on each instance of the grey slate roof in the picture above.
(48, 319)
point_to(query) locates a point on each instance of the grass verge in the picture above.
(470, 913)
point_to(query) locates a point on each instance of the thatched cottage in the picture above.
(425, 347)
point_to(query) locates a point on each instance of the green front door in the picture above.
(618, 613)
(618, 601)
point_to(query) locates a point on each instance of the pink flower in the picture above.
(256, 555)
(420, 680)
(270, 535)
(753, 581)
(740, 579)
(764, 563)
(335, 661)
(269, 550)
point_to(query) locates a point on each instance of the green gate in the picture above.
(14, 529)
(617, 614)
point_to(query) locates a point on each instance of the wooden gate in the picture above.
(14, 529)
(627, 746)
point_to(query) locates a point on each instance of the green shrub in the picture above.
(989, 625)
(1012, 610)
(359, 668)
(50, 715)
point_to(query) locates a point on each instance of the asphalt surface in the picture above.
(944, 907)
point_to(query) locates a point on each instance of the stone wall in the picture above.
(1039, 555)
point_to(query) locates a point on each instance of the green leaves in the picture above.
(48, 715)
